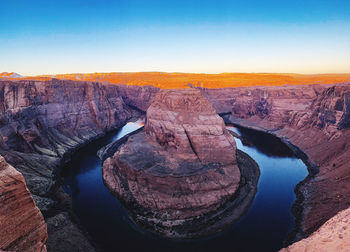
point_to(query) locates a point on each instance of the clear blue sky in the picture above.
(68, 36)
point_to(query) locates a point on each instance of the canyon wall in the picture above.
(41, 124)
(313, 118)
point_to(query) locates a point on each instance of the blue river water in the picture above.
(263, 228)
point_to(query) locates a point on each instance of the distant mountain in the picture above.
(10, 75)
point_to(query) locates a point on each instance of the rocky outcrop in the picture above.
(313, 118)
(181, 167)
(137, 97)
(334, 235)
(183, 120)
(22, 225)
(42, 123)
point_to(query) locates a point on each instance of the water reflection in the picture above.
(262, 228)
(263, 142)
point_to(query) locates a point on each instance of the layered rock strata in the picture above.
(182, 166)
(334, 235)
(41, 124)
(22, 226)
(313, 120)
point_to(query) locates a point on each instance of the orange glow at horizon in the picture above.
(181, 80)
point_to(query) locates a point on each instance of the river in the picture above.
(263, 228)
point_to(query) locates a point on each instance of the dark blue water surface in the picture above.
(262, 228)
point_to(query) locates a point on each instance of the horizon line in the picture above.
(177, 72)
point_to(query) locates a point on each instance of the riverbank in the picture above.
(42, 124)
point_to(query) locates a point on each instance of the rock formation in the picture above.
(185, 121)
(182, 166)
(22, 226)
(313, 118)
(42, 123)
(334, 235)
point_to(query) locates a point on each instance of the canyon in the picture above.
(43, 122)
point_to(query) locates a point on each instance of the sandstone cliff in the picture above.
(185, 121)
(22, 226)
(42, 123)
(313, 118)
(334, 235)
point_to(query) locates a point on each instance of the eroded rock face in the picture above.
(182, 166)
(185, 121)
(43, 122)
(22, 226)
(334, 235)
(40, 122)
(313, 118)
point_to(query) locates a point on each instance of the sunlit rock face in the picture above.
(22, 226)
(183, 165)
(185, 121)
(334, 235)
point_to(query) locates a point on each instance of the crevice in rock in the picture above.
(191, 145)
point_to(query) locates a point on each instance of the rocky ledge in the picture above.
(334, 235)
(22, 226)
(180, 169)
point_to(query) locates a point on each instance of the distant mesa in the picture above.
(165, 80)
(10, 75)
(180, 172)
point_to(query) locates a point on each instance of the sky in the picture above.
(83, 36)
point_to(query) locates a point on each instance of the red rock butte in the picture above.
(184, 120)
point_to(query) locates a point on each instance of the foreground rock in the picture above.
(182, 167)
(334, 235)
(22, 226)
